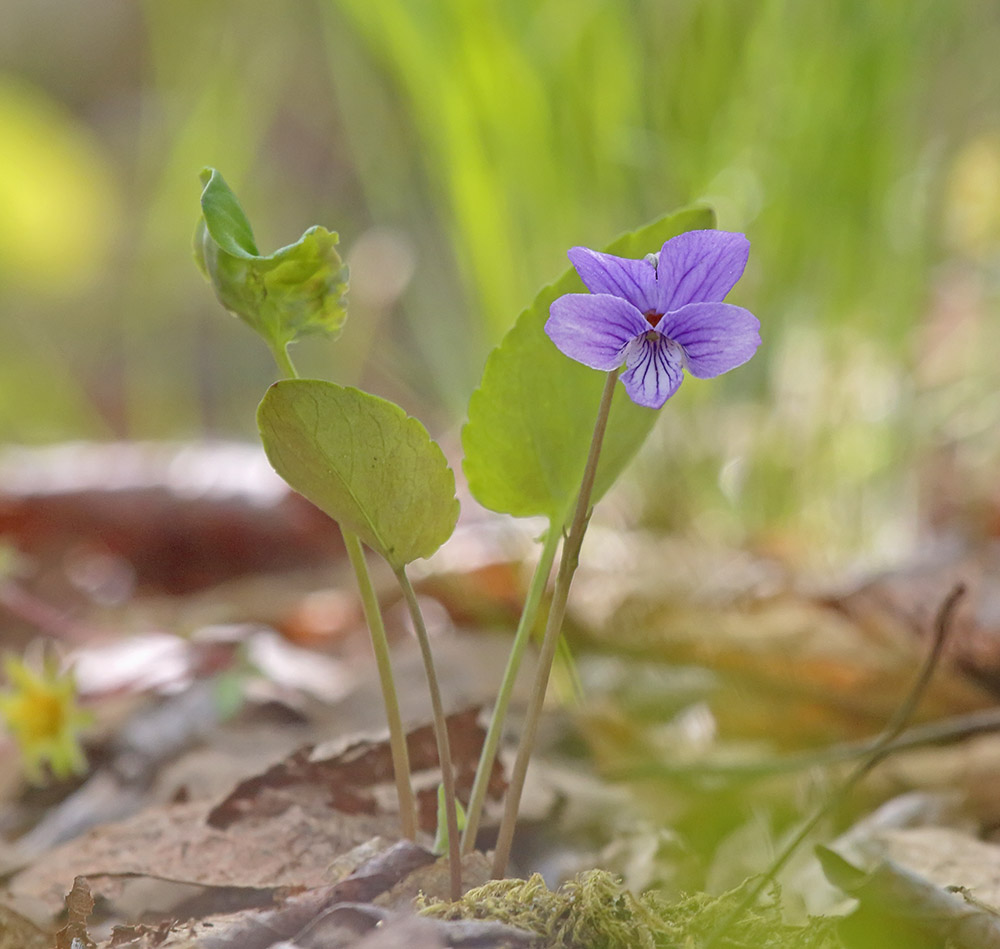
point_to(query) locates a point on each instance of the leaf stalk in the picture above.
(495, 730)
(557, 612)
(440, 735)
(380, 646)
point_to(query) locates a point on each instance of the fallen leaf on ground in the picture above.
(347, 779)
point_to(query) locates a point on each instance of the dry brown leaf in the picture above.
(947, 857)
(347, 779)
(175, 517)
(900, 605)
(17, 932)
(294, 848)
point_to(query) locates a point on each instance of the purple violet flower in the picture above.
(658, 315)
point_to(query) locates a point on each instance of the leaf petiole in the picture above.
(557, 611)
(495, 731)
(283, 359)
(440, 734)
(380, 646)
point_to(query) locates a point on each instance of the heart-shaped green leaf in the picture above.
(363, 461)
(296, 291)
(532, 418)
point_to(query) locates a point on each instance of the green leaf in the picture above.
(224, 216)
(296, 291)
(532, 417)
(363, 461)
(440, 845)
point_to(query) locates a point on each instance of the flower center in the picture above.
(673, 350)
(652, 317)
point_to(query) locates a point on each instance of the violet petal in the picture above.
(715, 337)
(699, 267)
(594, 328)
(632, 280)
(654, 370)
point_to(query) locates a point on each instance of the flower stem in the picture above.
(440, 734)
(495, 731)
(380, 646)
(557, 611)
(284, 361)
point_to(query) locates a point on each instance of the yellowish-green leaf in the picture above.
(296, 291)
(363, 461)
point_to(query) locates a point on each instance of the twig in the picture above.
(956, 728)
(879, 751)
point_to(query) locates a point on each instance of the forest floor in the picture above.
(238, 788)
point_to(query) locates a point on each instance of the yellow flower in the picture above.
(42, 714)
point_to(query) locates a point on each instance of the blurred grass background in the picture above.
(460, 147)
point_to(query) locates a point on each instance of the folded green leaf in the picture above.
(532, 418)
(224, 216)
(296, 291)
(363, 461)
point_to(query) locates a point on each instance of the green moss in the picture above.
(594, 911)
